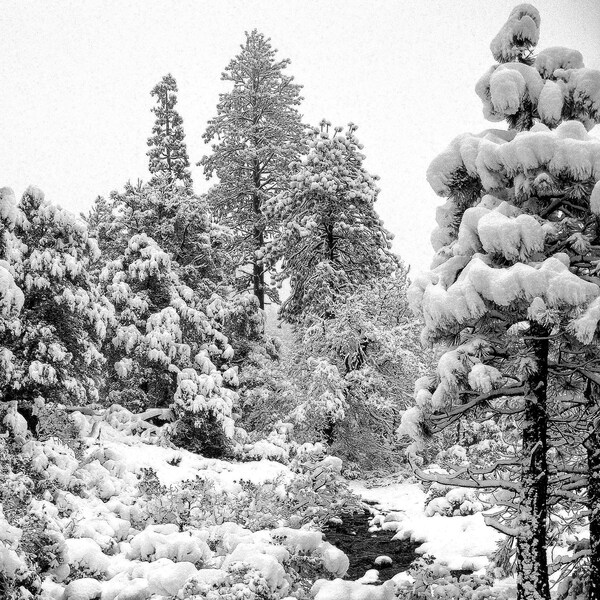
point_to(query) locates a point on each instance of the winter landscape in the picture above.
(254, 370)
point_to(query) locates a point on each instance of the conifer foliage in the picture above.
(512, 294)
(53, 351)
(258, 131)
(168, 155)
(331, 239)
(163, 346)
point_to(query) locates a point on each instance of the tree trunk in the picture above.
(258, 271)
(592, 445)
(532, 563)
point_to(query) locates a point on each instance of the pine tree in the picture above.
(174, 217)
(166, 208)
(258, 132)
(331, 239)
(11, 295)
(164, 349)
(366, 353)
(513, 273)
(54, 351)
(168, 155)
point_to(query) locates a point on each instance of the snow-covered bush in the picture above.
(429, 580)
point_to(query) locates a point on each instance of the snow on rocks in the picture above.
(338, 589)
(83, 589)
(460, 542)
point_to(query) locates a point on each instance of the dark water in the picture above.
(363, 547)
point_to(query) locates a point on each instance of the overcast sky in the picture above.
(76, 77)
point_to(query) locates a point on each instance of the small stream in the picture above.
(363, 546)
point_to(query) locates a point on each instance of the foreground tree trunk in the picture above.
(532, 563)
(592, 445)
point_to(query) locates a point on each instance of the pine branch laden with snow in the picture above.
(551, 87)
(175, 218)
(331, 239)
(256, 135)
(512, 296)
(52, 349)
(164, 348)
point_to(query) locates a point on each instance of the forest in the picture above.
(246, 394)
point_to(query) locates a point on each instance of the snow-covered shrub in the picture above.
(449, 502)
(318, 492)
(31, 540)
(275, 446)
(240, 582)
(430, 580)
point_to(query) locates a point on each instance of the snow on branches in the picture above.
(331, 238)
(164, 345)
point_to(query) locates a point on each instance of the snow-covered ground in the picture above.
(108, 542)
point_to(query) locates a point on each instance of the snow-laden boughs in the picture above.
(552, 86)
(163, 348)
(174, 217)
(512, 294)
(348, 372)
(11, 296)
(258, 134)
(52, 350)
(331, 239)
(168, 157)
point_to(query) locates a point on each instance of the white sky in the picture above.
(76, 77)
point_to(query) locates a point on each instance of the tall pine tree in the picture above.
(258, 133)
(512, 276)
(165, 208)
(168, 153)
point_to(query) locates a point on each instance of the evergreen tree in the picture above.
(166, 208)
(258, 131)
(168, 155)
(11, 295)
(54, 351)
(174, 217)
(331, 239)
(511, 278)
(164, 349)
(351, 371)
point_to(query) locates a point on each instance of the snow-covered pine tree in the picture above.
(514, 271)
(367, 352)
(331, 239)
(174, 217)
(11, 296)
(258, 133)
(164, 350)
(54, 351)
(166, 208)
(168, 157)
